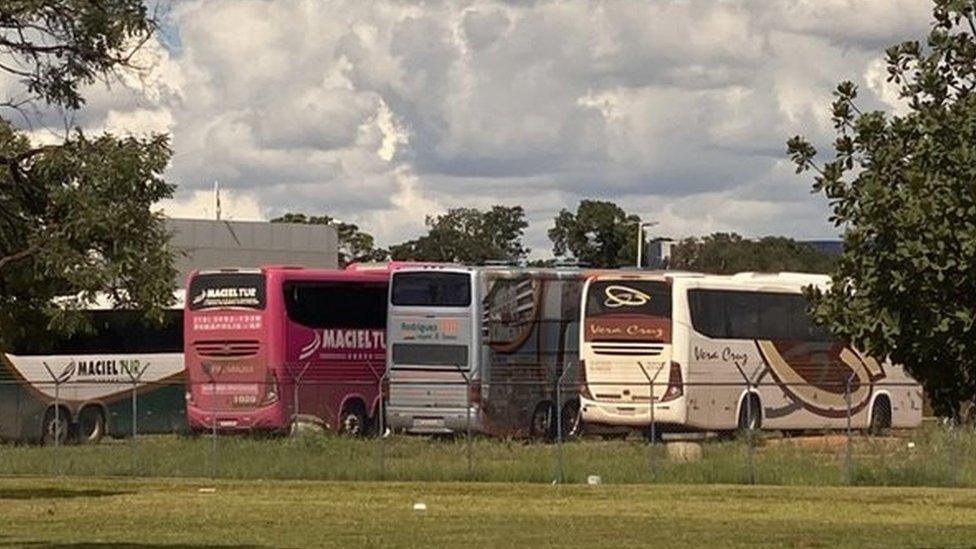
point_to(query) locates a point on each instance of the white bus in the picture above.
(725, 353)
(483, 345)
(79, 388)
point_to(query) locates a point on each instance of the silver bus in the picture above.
(484, 347)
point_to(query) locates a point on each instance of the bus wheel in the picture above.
(541, 425)
(91, 425)
(352, 421)
(880, 417)
(653, 436)
(55, 426)
(571, 422)
(750, 414)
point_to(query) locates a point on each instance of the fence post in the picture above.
(749, 434)
(951, 451)
(208, 371)
(849, 450)
(467, 411)
(296, 381)
(560, 473)
(57, 425)
(650, 453)
(652, 428)
(134, 378)
(57, 379)
(381, 426)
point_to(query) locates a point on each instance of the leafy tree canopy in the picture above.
(57, 46)
(727, 253)
(598, 234)
(902, 189)
(75, 216)
(470, 236)
(355, 245)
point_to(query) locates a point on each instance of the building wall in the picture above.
(211, 244)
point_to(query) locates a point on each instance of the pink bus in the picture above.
(266, 348)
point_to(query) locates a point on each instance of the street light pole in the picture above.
(640, 240)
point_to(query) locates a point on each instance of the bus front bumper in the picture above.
(631, 414)
(433, 420)
(268, 418)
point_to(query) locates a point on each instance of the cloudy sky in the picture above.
(380, 113)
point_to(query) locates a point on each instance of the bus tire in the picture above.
(571, 421)
(750, 414)
(352, 420)
(880, 416)
(91, 425)
(55, 426)
(652, 437)
(541, 424)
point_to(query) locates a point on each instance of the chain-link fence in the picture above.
(427, 425)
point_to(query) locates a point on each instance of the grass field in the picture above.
(933, 456)
(118, 512)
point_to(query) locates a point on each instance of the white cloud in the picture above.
(384, 112)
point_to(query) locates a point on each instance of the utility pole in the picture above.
(216, 195)
(640, 240)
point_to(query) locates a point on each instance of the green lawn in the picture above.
(926, 457)
(115, 512)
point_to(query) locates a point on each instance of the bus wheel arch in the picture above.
(54, 416)
(749, 414)
(880, 421)
(91, 424)
(353, 419)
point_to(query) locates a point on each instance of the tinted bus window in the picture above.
(419, 354)
(114, 331)
(629, 297)
(430, 289)
(729, 314)
(336, 304)
(219, 290)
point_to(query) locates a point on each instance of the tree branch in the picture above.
(26, 252)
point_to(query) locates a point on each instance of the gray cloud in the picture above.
(384, 112)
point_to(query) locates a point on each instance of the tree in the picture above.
(902, 189)
(56, 46)
(75, 216)
(599, 234)
(354, 245)
(726, 253)
(470, 236)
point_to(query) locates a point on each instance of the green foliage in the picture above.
(470, 236)
(75, 217)
(600, 234)
(727, 253)
(902, 188)
(355, 245)
(56, 46)
(76, 220)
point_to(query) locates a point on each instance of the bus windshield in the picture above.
(432, 289)
(227, 290)
(628, 297)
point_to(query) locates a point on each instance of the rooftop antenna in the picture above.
(216, 195)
